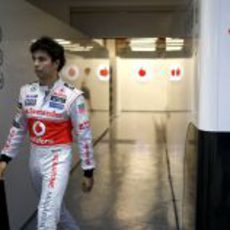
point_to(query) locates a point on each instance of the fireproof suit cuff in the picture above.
(5, 158)
(88, 173)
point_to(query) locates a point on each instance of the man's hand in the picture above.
(3, 166)
(87, 184)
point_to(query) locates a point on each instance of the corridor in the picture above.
(138, 159)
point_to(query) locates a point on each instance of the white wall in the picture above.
(21, 23)
(159, 93)
(99, 89)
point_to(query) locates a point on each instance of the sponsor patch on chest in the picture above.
(30, 101)
(56, 105)
(58, 99)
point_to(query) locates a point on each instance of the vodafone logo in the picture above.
(39, 128)
(176, 73)
(142, 72)
(103, 73)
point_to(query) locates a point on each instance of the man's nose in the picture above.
(36, 63)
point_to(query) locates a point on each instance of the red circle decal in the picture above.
(104, 72)
(142, 72)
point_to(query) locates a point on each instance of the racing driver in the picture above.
(54, 113)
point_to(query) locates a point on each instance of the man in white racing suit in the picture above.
(54, 113)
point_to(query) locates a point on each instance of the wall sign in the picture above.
(142, 72)
(176, 72)
(71, 72)
(103, 72)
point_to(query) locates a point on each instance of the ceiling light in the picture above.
(174, 48)
(174, 44)
(175, 41)
(143, 44)
(143, 40)
(78, 48)
(136, 48)
(62, 41)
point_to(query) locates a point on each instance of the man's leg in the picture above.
(55, 173)
(67, 222)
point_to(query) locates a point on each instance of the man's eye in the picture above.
(41, 59)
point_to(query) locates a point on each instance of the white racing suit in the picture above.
(53, 118)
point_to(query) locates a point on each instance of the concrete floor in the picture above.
(139, 176)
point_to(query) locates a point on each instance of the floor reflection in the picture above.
(132, 189)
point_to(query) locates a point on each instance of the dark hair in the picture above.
(52, 48)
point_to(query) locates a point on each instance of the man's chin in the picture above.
(40, 76)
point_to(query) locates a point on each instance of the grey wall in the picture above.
(20, 23)
(130, 18)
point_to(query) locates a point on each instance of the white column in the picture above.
(116, 105)
(214, 66)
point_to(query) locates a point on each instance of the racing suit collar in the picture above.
(49, 87)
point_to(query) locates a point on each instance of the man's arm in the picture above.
(82, 133)
(15, 138)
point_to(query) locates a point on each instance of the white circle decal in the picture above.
(39, 128)
(71, 72)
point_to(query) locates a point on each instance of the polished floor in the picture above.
(139, 176)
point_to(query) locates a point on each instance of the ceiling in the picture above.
(123, 18)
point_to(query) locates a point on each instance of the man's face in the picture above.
(44, 67)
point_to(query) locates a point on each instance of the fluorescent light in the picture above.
(153, 44)
(143, 44)
(174, 44)
(174, 48)
(62, 41)
(143, 40)
(175, 41)
(77, 48)
(136, 48)
(99, 41)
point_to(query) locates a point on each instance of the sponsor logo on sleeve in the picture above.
(84, 125)
(82, 108)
